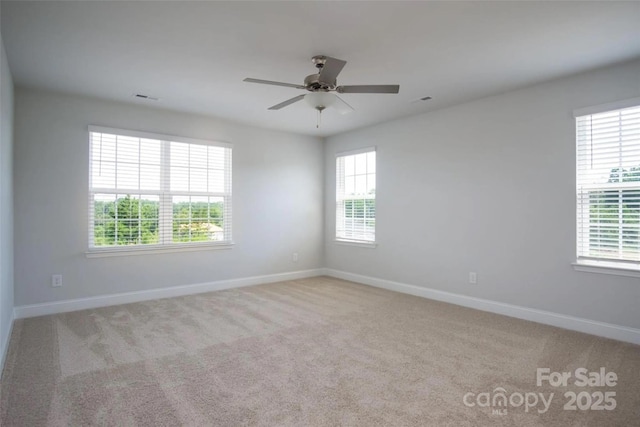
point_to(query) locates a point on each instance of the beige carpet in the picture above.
(311, 352)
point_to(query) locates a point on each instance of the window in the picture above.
(155, 191)
(608, 186)
(356, 196)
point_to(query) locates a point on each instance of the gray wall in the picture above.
(6, 201)
(488, 186)
(277, 201)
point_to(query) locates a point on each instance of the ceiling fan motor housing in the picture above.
(313, 84)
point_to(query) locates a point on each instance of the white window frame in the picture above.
(584, 262)
(339, 231)
(165, 199)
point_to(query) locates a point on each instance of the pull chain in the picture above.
(319, 120)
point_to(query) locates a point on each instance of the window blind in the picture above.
(154, 190)
(356, 196)
(608, 186)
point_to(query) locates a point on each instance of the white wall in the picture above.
(277, 201)
(6, 202)
(488, 186)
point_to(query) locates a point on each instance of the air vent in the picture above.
(147, 97)
(423, 99)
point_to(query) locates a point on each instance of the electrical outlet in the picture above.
(473, 278)
(56, 280)
(294, 258)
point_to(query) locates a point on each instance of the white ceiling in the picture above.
(194, 55)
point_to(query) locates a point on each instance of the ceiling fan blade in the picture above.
(331, 69)
(368, 89)
(269, 82)
(342, 106)
(287, 102)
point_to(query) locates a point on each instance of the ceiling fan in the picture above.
(321, 84)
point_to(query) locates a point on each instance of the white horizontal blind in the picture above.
(608, 186)
(152, 190)
(356, 197)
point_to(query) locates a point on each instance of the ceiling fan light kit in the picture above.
(321, 84)
(320, 100)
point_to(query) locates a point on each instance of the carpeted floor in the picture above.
(311, 352)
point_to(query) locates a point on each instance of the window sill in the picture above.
(606, 267)
(369, 245)
(128, 251)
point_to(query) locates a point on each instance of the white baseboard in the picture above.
(44, 309)
(607, 330)
(5, 345)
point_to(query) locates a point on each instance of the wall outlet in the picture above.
(473, 279)
(56, 280)
(294, 258)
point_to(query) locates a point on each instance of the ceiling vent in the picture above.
(147, 97)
